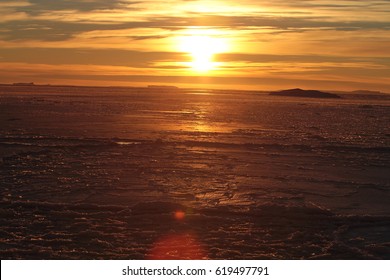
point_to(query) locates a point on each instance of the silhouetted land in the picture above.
(297, 92)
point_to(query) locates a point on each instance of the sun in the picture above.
(202, 49)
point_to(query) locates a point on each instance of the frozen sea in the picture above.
(161, 173)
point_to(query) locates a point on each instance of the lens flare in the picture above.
(179, 215)
(177, 247)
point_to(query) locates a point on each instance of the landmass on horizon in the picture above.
(295, 92)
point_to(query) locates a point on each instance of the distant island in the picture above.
(24, 84)
(297, 92)
(162, 87)
(367, 92)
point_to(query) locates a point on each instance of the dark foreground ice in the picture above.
(116, 173)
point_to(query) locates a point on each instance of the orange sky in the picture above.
(338, 45)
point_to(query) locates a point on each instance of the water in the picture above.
(119, 173)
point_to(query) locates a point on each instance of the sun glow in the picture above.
(202, 49)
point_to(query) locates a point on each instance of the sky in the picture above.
(249, 44)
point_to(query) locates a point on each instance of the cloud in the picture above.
(108, 75)
(37, 6)
(61, 20)
(17, 27)
(60, 56)
(230, 64)
(50, 30)
(14, 4)
(305, 37)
